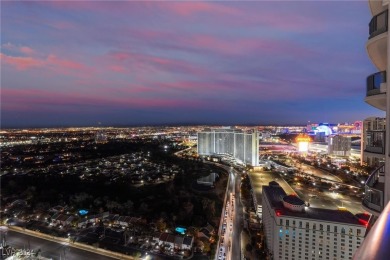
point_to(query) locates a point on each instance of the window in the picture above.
(307, 225)
(281, 222)
(335, 229)
(350, 231)
(287, 222)
(293, 222)
(314, 226)
(343, 231)
(300, 224)
(328, 228)
(321, 227)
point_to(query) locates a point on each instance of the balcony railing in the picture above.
(378, 24)
(376, 244)
(375, 149)
(374, 82)
(375, 142)
(373, 196)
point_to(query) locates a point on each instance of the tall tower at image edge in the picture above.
(377, 187)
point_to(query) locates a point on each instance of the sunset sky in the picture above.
(165, 62)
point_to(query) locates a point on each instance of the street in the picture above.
(232, 219)
(49, 249)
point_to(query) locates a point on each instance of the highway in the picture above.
(229, 246)
(50, 249)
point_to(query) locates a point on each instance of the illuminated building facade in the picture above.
(294, 231)
(243, 146)
(339, 145)
(377, 187)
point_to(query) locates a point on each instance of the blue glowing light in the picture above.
(181, 230)
(83, 212)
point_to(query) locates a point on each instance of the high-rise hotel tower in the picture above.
(377, 189)
(241, 145)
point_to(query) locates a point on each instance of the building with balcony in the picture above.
(243, 146)
(376, 142)
(377, 187)
(373, 141)
(294, 231)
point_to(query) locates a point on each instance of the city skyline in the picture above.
(133, 63)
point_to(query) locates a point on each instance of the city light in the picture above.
(303, 143)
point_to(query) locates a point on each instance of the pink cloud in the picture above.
(8, 46)
(65, 64)
(189, 8)
(26, 50)
(62, 25)
(128, 62)
(22, 49)
(51, 62)
(21, 63)
(36, 99)
(179, 8)
(117, 68)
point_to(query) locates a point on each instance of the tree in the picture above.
(206, 246)
(113, 205)
(128, 207)
(161, 225)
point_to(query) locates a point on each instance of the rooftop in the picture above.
(275, 195)
(293, 200)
